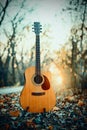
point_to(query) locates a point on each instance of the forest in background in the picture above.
(71, 59)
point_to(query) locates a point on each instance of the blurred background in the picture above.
(63, 41)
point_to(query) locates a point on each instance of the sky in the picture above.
(49, 13)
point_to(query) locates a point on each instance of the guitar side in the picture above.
(35, 98)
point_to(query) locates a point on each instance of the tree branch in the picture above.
(2, 13)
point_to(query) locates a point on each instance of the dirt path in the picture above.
(6, 90)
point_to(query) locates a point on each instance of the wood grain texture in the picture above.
(37, 103)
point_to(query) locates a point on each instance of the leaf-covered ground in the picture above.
(70, 113)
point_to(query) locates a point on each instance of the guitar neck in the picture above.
(38, 70)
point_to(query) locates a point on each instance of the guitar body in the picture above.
(37, 97)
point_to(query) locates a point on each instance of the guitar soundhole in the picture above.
(38, 79)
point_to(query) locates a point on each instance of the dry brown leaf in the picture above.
(55, 108)
(2, 101)
(30, 124)
(70, 98)
(80, 103)
(50, 128)
(14, 101)
(14, 113)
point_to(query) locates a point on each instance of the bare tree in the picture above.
(3, 10)
(10, 47)
(12, 68)
(78, 11)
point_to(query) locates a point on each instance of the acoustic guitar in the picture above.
(37, 95)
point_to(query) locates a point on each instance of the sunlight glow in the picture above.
(55, 24)
(56, 75)
(58, 79)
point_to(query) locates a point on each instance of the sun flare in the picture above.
(56, 74)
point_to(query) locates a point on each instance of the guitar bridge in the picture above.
(38, 93)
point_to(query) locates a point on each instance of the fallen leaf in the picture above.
(2, 101)
(13, 101)
(70, 98)
(55, 108)
(50, 128)
(30, 124)
(80, 103)
(14, 113)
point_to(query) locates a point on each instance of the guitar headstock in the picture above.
(37, 28)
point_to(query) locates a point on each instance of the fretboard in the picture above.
(38, 71)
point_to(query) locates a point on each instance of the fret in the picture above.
(38, 71)
(37, 29)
